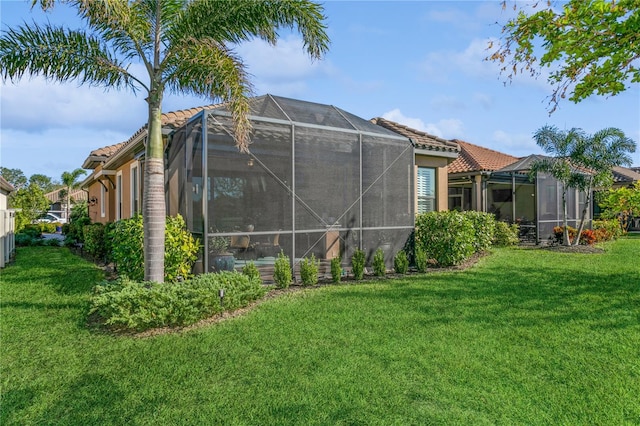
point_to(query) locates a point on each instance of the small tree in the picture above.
(621, 203)
(599, 153)
(70, 182)
(31, 202)
(561, 145)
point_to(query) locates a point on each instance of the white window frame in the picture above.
(134, 193)
(119, 195)
(103, 207)
(423, 197)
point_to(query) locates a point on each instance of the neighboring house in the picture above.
(433, 156)
(7, 224)
(470, 176)
(490, 181)
(317, 180)
(58, 201)
(624, 176)
(115, 185)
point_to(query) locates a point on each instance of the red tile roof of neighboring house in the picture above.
(172, 119)
(421, 139)
(474, 158)
(76, 195)
(625, 175)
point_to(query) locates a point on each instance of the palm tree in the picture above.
(599, 153)
(186, 46)
(70, 182)
(560, 145)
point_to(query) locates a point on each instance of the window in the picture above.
(119, 195)
(103, 211)
(426, 188)
(135, 189)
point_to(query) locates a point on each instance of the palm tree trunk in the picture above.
(587, 202)
(565, 224)
(153, 204)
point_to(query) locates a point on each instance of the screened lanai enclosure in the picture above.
(317, 181)
(535, 205)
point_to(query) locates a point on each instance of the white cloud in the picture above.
(517, 144)
(397, 116)
(447, 65)
(283, 69)
(451, 128)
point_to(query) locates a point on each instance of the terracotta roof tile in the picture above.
(624, 175)
(172, 119)
(421, 139)
(474, 158)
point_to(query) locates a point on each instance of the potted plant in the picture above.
(219, 256)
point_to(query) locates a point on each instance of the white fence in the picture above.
(7, 235)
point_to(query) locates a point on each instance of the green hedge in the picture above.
(129, 305)
(446, 237)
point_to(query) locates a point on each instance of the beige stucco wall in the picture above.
(442, 180)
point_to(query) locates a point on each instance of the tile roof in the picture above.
(76, 195)
(625, 175)
(5, 185)
(420, 139)
(474, 158)
(172, 119)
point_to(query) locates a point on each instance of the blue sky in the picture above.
(418, 62)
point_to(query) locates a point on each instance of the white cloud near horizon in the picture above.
(516, 144)
(451, 128)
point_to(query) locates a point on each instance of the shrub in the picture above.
(401, 262)
(79, 218)
(128, 241)
(484, 225)
(505, 234)
(420, 260)
(95, 241)
(607, 229)
(24, 239)
(587, 237)
(379, 268)
(309, 271)
(50, 242)
(558, 234)
(336, 269)
(126, 304)
(251, 270)
(446, 237)
(357, 264)
(282, 271)
(180, 249)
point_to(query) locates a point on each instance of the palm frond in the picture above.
(210, 68)
(235, 21)
(60, 54)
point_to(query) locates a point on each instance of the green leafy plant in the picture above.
(336, 269)
(379, 268)
(180, 248)
(505, 234)
(401, 262)
(446, 237)
(309, 270)
(282, 271)
(95, 241)
(251, 270)
(484, 225)
(218, 245)
(131, 305)
(357, 264)
(607, 229)
(420, 260)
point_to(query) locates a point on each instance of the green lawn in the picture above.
(523, 337)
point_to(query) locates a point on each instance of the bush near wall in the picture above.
(447, 237)
(127, 248)
(129, 305)
(505, 234)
